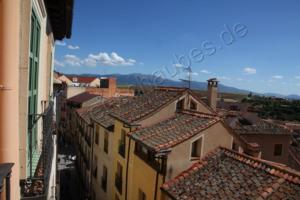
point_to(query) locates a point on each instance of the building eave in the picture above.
(60, 13)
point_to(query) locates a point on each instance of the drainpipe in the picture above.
(127, 166)
(92, 147)
(9, 88)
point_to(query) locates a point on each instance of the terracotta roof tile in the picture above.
(80, 98)
(81, 79)
(225, 174)
(140, 106)
(175, 130)
(100, 112)
(261, 127)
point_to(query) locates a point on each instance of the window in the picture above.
(106, 141)
(141, 195)
(196, 148)
(118, 177)
(95, 169)
(122, 143)
(104, 178)
(180, 105)
(33, 80)
(235, 146)
(277, 149)
(193, 105)
(97, 136)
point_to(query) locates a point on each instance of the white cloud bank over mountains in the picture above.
(92, 60)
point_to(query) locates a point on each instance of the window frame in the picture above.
(201, 138)
(277, 152)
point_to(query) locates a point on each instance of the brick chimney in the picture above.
(212, 93)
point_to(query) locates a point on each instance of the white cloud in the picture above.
(113, 59)
(250, 70)
(60, 43)
(239, 79)
(192, 73)
(204, 71)
(58, 63)
(72, 60)
(89, 62)
(178, 65)
(92, 60)
(224, 78)
(297, 77)
(277, 77)
(73, 47)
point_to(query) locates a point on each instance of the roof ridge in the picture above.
(199, 113)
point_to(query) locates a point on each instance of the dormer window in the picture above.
(193, 105)
(180, 105)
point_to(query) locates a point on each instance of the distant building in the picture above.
(72, 104)
(225, 174)
(79, 81)
(273, 140)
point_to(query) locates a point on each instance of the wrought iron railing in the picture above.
(5, 173)
(37, 185)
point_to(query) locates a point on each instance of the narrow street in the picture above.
(69, 179)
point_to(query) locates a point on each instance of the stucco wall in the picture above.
(213, 137)
(142, 177)
(73, 91)
(105, 159)
(10, 20)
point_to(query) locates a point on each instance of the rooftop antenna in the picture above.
(189, 77)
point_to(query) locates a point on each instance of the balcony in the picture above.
(122, 148)
(118, 183)
(5, 172)
(37, 185)
(149, 158)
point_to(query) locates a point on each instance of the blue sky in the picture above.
(251, 45)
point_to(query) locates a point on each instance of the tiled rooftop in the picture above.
(261, 127)
(175, 130)
(81, 79)
(140, 106)
(224, 174)
(100, 112)
(82, 97)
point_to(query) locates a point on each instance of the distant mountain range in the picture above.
(144, 79)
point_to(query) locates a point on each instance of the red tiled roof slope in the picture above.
(139, 107)
(225, 174)
(81, 79)
(100, 112)
(82, 97)
(175, 130)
